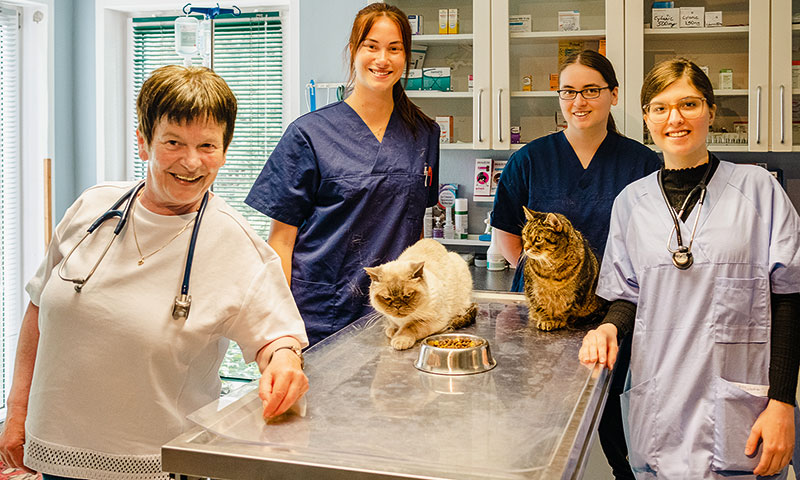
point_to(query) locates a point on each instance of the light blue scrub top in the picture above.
(356, 202)
(699, 370)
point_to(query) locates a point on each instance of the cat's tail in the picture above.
(467, 318)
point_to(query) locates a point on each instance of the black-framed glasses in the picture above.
(587, 93)
(689, 108)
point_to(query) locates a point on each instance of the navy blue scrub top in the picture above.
(547, 176)
(356, 202)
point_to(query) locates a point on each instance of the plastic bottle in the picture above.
(461, 218)
(204, 42)
(494, 259)
(437, 228)
(186, 38)
(427, 223)
(449, 229)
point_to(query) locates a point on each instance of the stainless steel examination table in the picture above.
(372, 415)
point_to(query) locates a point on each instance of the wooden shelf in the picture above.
(456, 146)
(736, 92)
(437, 94)
(536, 93)
(520, 37)
(442, 39)
(472, 240)
(713, 147)
(700, 33)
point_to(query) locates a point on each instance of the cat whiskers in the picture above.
(541, 258)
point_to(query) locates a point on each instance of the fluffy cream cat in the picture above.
(426, 290)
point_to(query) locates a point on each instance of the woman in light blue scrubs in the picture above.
(347, 185)
(703, 258)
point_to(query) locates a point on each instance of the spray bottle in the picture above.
(494, 258)
(449, 228)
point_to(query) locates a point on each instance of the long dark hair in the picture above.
(599, 63)
(411, 114)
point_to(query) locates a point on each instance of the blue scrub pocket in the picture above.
(640, 422)
(735, 412)
(740, 310)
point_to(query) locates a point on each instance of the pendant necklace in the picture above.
(143, 257)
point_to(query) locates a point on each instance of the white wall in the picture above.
(89, 146)
(324, 33)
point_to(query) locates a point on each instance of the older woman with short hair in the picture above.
(111, 361)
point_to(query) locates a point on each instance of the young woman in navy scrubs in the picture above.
(577, 172)
(347, 185)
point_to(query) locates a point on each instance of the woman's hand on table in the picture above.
(600, 346)
(775, 428)
(282, 383)
(11, 442)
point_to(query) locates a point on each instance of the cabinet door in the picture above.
(501, 128)
(525, 63)
(740, 45)
(781, 81)
(466, 53)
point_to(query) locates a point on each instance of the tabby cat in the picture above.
(425, 291)
(560, 272)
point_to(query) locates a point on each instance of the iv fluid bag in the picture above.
(186, 36)
(204, 38)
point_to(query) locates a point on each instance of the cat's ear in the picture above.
(529, 214)
(374, 273)
(554, 222)
(416, 269)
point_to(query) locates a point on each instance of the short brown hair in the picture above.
(668, 72)
(183, 95)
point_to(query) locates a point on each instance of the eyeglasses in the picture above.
(689, 108)
(587, 93)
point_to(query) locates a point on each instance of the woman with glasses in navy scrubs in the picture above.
(577, 172)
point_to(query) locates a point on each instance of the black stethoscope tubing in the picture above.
(183, 301)
(682, 257)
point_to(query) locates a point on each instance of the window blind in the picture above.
(10, 220)
(248, 54)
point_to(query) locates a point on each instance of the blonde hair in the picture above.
(183, 95)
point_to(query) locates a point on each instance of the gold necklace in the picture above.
(142, 256)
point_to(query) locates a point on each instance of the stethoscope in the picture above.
(682, 256)
(180, 308)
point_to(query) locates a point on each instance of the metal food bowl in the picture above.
(466, 354)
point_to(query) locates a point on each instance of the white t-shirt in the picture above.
(115, 374)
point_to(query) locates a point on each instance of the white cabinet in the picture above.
(785, 105)
(498, 59)
(466, 53)
(537, 53)
(755, 43)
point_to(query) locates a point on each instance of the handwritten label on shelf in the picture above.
(692, 17)
(665, 17)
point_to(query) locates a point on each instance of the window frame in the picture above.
(35, 144)
(114, 57)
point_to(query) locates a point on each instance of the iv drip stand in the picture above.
(211, 13)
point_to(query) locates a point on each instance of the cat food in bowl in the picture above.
(455, 354)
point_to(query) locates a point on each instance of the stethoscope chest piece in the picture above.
(682, 258)
(180, 309)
